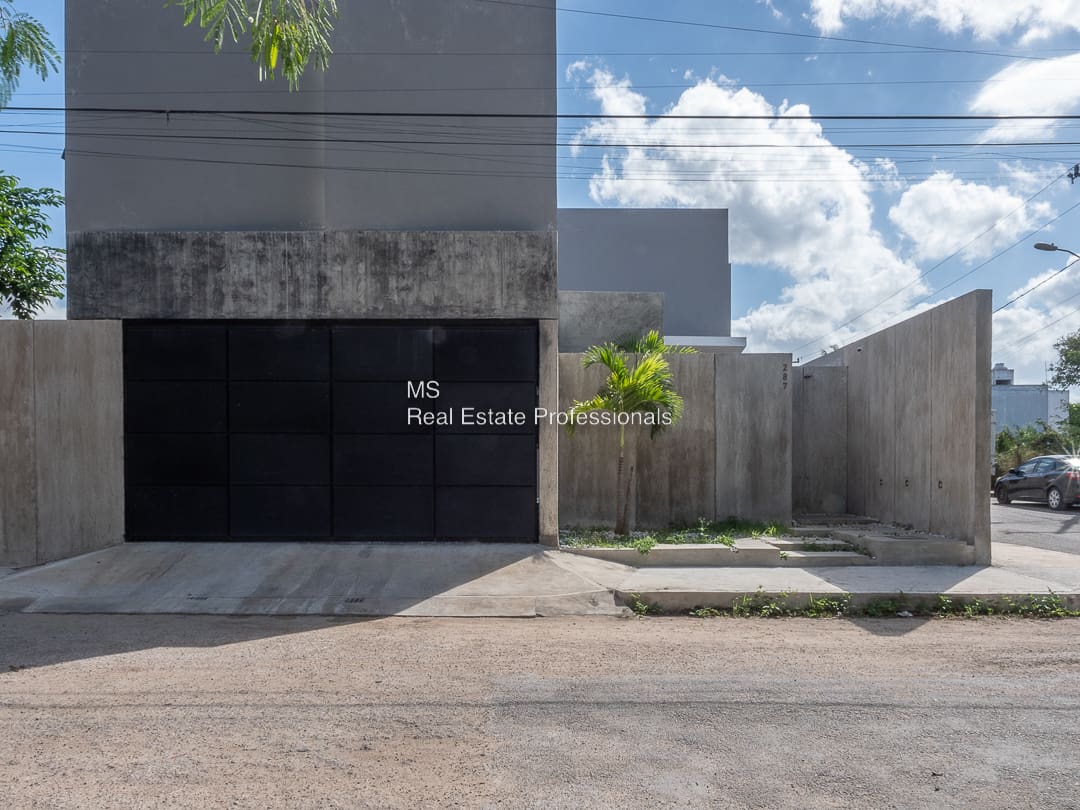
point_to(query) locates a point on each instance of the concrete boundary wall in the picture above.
(918, 422)
(729, 456)
(61, 439)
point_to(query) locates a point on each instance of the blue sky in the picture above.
(822, 230)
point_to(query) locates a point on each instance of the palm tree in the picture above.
(639, 381)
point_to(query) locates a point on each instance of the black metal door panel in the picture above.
(279, 407)
(272, 430)
(485, 513)
(297, 458)
(169, 352)
(485, 461)
(279, 353)
(279, 512)
(170, 459)
(168, 513)
(384, 513)
(382, 353)
(175, 407)
(383, 460)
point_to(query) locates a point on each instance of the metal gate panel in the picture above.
(264, 430)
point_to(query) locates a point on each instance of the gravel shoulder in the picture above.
(138, 711)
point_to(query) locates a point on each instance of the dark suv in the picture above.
(1053, 480)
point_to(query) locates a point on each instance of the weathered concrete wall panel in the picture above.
(753, 436)
(912, 484)
(324, 274)
(919, 421)
(819, 440)
(729, 456)
(589, 318)
(548, 489)
(18, 493)
(78, 404)
(675, 470)
(61, 439)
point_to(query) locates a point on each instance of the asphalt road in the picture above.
(1035, 525)
(144, 711)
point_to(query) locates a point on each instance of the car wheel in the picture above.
(1054, 499)
(1002, 494)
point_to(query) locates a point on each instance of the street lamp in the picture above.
(1050, 246)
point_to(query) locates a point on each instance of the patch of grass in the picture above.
(822, 607)
(704, 532)
(762, 605)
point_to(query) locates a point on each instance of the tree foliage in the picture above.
(1065, 373)
(30, 274)
(24, 43)
(639, 380)
(285, 34)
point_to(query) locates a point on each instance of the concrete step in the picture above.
(796, 543)
(810, 531)
(748, 552)
(912, 549)
(817, 559)
(833, 520)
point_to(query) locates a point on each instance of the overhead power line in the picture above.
(948, 258)
(543, 116)
(1033, 289)
(743, 29)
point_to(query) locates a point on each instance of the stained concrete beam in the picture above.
(312, 274)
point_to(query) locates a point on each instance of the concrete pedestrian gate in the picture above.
(293, 430)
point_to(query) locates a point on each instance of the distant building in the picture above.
(1015, 406)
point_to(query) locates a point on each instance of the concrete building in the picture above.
(284, 264)
(1016, 406)
(679, 255)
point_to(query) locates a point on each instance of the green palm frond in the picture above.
(651, 342)
(643, 386)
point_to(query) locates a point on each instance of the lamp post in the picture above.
(1051, 247)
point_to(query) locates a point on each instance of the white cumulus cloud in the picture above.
(943, 213)
(796, 201)
(1048, 87)
(1031, 19)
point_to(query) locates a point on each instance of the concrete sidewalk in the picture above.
(472, 579)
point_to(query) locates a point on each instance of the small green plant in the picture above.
(643, 545)
(828, 606)
(766, 606)
(641, 607)
(784, 555)
(706, 613)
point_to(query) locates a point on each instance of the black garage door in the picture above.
(271, 430)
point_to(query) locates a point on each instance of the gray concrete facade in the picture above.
(61, 438)
(312, 274)
(589, 318)
(682, 253)
(729, 456)
(406, 131)
(918, 421)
